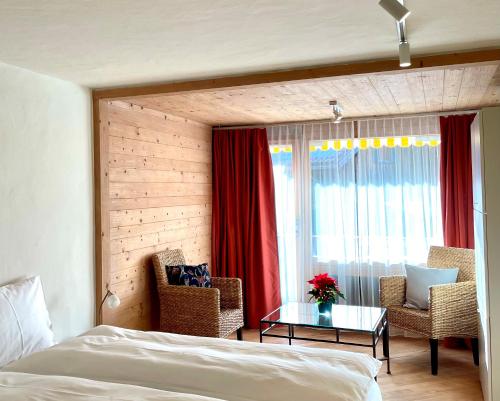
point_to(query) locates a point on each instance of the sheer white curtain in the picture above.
(356, 200)
(398, 197)
(287, 152)
(315, 188)
(333, 204)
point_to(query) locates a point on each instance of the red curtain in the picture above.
(456, 181)
(244, 233)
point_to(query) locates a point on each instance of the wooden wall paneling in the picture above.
(101, 189)
(486, 81)
(474, 85)
(134, 161)
(157, 192)
(452, 83)
(416, 85)
(97, 164)
(388, 93)
(119, 204)
(135, 308)
(433, 89)
(372, 97)
(124, 260)
(120, 174)
(401, 92)
(148, 189)
(383, 85)
(303, 74)
(138, 116)
(158, 227)
(148, 149)
(492, 93)
(334, 92)
(148, 135)
(127, 217)
(121, 245)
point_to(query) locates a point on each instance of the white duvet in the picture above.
(226, 369)
(24, 387)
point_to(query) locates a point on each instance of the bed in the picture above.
(110, 362)
(23, 386)
(225, 369)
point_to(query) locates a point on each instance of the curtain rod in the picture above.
(388, 117)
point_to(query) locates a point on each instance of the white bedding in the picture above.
(23, 387)
(226, 369)
(25, 325)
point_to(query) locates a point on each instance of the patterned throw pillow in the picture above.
(174, 274)
(193, 276)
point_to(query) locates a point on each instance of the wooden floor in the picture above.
(411, 380)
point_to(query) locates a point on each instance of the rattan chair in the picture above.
(452, 307)
(206, 312)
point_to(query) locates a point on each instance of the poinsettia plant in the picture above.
(325, 289)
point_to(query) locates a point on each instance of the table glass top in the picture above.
(347, 317)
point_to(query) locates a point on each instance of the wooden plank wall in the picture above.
(156, 194)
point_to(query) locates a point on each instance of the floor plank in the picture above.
(411, 380)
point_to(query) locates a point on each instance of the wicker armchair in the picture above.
(452, 307)
(206, 312)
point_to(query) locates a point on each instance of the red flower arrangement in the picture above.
(326, 289)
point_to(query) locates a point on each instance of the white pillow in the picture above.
(418, 281)
(25, 325)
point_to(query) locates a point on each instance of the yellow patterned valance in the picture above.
(365, 143)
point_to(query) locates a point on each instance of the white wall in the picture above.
(46, 189)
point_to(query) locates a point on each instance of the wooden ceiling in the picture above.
(438, 89)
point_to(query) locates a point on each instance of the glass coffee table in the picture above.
(343, 318)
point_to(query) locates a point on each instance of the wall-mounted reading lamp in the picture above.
(112, 301)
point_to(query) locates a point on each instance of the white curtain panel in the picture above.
(357, 200)
(398, 198)
(287, 150)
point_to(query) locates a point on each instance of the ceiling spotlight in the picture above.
(398, 11)
(404, 54)
(337, 111)
(404, 46)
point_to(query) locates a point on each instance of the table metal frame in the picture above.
(381, 330)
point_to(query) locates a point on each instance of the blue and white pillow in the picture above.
(193, 276)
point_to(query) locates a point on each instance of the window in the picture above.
(356, 208)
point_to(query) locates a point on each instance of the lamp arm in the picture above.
(108, 293)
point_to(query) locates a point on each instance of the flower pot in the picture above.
(324, 307)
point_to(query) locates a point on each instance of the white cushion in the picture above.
(25, 325)
(418, 281)
(11, 347)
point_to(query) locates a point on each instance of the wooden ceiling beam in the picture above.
(303, 74)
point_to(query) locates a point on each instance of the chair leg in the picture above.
(239, 334)
(475, 350)
(434, 355)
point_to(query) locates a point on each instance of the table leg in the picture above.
(385, 340)
(374, 346)
(374, 349)
(290, 334)
(260, 331)
(337, 335)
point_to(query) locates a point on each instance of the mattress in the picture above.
(225, 369)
